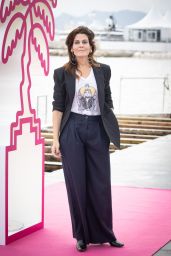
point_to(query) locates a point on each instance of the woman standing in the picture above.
(83, 126)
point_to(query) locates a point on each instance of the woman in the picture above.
(83, 125)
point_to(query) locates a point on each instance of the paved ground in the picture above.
(147, 165)
(164, 251)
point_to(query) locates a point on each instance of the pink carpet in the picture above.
(142, 220)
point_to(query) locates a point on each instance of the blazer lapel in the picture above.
(70, 85)
(98, 73)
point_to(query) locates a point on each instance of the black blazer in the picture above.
(64, 91)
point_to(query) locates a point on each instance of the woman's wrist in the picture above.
(56, 140)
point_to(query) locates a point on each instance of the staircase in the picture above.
(133, 129)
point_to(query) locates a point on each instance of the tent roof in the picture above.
(153, 19)
(167, 18)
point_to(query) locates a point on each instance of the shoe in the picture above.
(81, 246)
(116, 244)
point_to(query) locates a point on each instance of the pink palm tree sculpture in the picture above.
(30, 22)
(35, 25)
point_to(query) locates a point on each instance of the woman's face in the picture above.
(81, 46)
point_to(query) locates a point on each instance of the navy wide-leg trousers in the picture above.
(84, 146)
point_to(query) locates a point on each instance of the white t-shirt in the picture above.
(86, 96)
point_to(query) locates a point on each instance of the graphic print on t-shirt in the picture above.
(86, 98)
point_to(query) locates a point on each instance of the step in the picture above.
(46, 130)
(134, 130)
(53, 163)
(125, 145)
(144, 118)
(48, 142)
(52, 166)
(138, 126)
(47, 149)
(133, 140)
(50, 157)
(141, 136)
(138, 122)
(47, 135)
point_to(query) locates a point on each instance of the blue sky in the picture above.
(80, 7)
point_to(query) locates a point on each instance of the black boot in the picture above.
(81, 246)
(116, 243)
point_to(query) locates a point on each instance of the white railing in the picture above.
(145, 94)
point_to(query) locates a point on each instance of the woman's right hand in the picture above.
(55, 149)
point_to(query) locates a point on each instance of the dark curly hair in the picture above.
(71, 66)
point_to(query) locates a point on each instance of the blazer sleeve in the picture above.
(108, 96)
(59, 93)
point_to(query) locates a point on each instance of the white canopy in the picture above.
(167, 19)
(153, 19)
